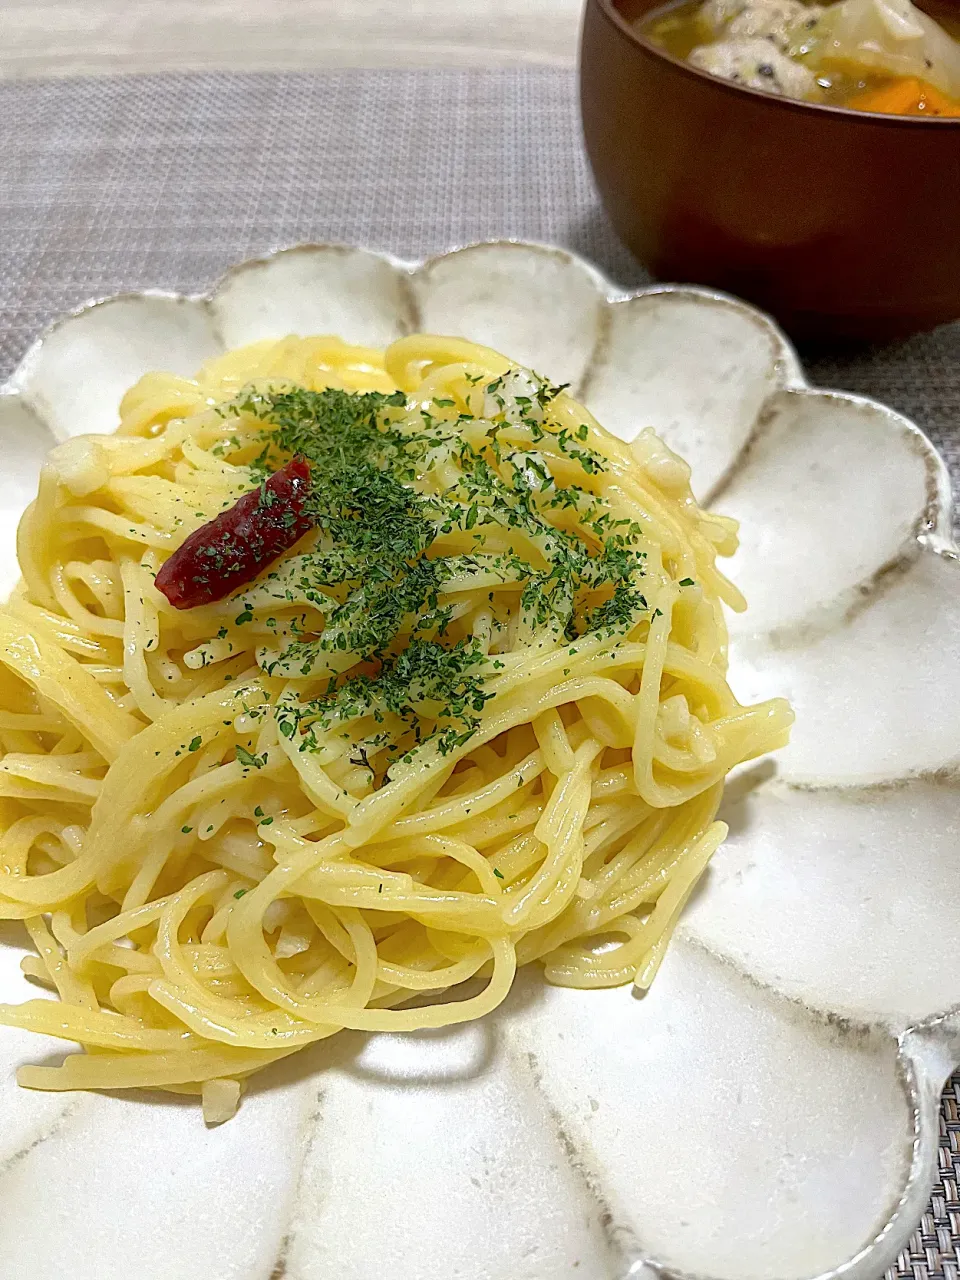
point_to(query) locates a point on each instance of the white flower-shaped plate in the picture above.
(769, 1111)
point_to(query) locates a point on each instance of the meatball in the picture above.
(757, 64)
(780, 21)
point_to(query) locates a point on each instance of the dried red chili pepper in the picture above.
(236, 546)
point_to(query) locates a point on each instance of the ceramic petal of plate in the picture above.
(24, 442)
(843, 510)
(860, 873)
(696, 367)
(770, 1109)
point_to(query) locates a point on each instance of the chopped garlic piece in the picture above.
(81, 464)
(292, 942)
(220, 1100)
(514, 397)
(666, 469)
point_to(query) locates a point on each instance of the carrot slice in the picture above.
(934, 103)
(906, 96)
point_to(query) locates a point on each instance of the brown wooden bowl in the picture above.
(840, 223)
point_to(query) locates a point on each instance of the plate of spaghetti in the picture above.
(369, 685)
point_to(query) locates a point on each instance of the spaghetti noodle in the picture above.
(476, 716)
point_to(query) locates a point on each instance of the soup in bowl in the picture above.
(869, 55)
(737, 143)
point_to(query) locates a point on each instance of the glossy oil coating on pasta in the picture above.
(477, 716)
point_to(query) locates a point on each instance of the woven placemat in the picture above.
(165, 181)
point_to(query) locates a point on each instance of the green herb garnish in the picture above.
(383, 653)
(249, 760)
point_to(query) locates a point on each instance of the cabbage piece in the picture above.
(888, 35)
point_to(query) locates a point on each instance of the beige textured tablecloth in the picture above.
(117, 184)
(116, 37)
